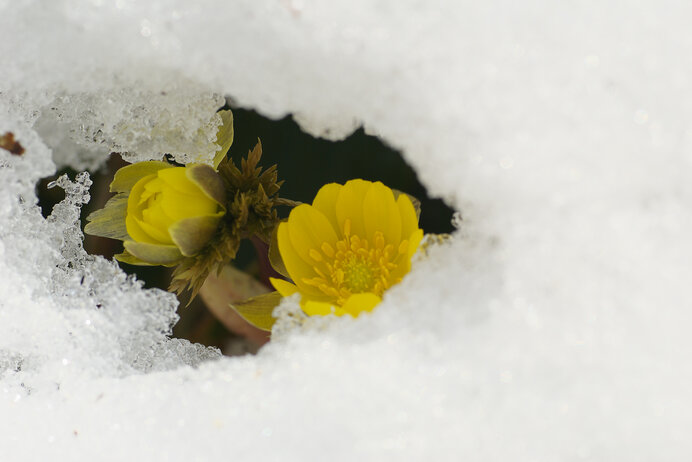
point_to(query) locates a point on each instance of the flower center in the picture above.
(358, 276)
(355, 265)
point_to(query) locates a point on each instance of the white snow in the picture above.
(555, 326)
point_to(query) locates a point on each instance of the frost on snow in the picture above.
(553, 327)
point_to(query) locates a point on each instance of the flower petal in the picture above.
(110, 220)
(224, 136)
(156, 216)
(349, 205)
(178, 205)
(135, 231)
(357, 303)
(308, 228)
(285, 288)
(159, 234)
(325, 202)
(154, 253)
(176, 179)
(404, 260)
(134, 207)
(316, 308)
(380, 213)
(126, 177)
(414, 241)
(407, 211)
(208, 181)
(295, 265)
(258, 310)
(192, 234)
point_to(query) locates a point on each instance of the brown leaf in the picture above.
(8, 143)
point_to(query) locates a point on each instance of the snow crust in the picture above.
(554, 326)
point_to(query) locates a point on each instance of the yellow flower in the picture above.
(162, 213)
(346, 249)
(192, 217)
(174, 208)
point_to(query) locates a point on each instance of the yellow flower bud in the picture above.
(191, 217)
(178, 206)
(161, 213)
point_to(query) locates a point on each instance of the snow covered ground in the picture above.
(555, 326)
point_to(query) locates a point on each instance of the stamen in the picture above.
(318, 271)
(327, 250)
(355, 265)
(339, 276)
(315, 255)
(312, 281)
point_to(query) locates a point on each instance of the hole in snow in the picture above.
(305, 163)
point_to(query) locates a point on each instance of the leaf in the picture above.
(110, 220)
(224, 136)
(258, 310)
(126, 177)
(8, 143)
(249, 165)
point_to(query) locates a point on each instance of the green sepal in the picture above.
(110, 220)
(156, 254)
(274, 255)
(127, 257)
(192, 234)
(126, 177)
(258, 310)
(224, 137)
(208, 181)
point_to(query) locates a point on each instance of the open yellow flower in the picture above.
(346, 249)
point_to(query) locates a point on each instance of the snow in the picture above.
(554, 326)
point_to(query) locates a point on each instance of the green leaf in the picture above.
(126, 177)
(258, 310)
(110, 220)
(154, 253)
(224, 137)
(192, 234)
